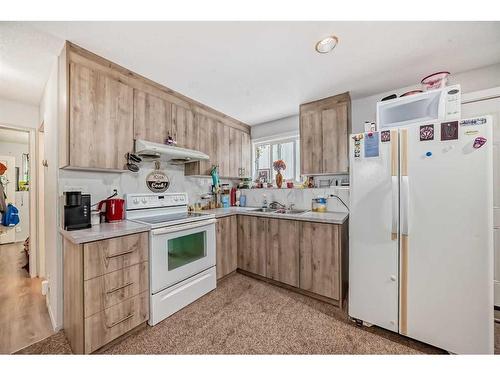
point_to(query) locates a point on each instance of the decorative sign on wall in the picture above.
(157, 181)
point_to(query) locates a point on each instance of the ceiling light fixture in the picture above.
(327, 44)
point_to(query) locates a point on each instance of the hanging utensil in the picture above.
(131, 160)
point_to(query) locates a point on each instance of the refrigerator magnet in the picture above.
(479, 142)
(473, 121)
(449, 131)
(426, 132)
(385, 136)
(372, 145)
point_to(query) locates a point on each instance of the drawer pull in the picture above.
(119, 254)
(120, 321)
(119, 287)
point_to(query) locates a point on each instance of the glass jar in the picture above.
(318, 204)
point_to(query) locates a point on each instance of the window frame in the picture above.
(274, 141)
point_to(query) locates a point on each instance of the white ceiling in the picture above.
(254, 71)
(14, 136)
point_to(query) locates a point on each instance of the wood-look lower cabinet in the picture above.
(309, 256)
(320, 259)
(283, 251)
(252, 244)
(100, 119)
(227, 245)
(325, 126)
(106, 290)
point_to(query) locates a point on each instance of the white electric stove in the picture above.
(181, 250)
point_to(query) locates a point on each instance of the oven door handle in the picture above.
(178, 228)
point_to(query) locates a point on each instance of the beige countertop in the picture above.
(103, 231)
(319, 217)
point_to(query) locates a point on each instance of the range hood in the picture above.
(171, 154)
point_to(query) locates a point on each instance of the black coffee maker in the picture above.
(76, 210)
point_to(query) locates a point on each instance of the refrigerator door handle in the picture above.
(405, 201)
(394, 230)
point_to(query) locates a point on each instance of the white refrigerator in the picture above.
(420, 233)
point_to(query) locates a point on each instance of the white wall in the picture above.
(53, 248)
(364, 109)
(18, 114)
(287, 126)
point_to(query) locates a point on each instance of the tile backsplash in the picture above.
(301, 198)
(101, 184)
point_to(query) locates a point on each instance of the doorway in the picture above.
(24, 318)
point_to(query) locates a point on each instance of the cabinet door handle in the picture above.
(119, 254)
(120, 321)
(119, 287)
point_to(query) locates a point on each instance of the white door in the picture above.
(373, 239)
(8, 235)
(447, 255)
(491, 107)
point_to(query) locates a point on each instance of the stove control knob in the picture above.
(143, 200)
(136, 201)
(176, 199)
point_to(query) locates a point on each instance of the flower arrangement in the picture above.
(279, 165)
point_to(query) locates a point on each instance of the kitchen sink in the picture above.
(264, 210)
(290, 212)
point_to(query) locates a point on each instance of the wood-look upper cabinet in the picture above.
(324, 129)
(246, 155)
(283, 251)
(209, 144)
(184, 129)
(152, 117)
(252, 244)
(227, 245)
(319, 259)
(235, 138)
(100, 119)
(223, 156)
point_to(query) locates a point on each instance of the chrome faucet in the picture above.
(276, 205)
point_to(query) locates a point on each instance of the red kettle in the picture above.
(114, 209)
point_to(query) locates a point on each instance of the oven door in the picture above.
(181, 251)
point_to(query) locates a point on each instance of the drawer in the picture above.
(115, 287)
(110, 255)
(107, 325)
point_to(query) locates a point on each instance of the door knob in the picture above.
(393, 278)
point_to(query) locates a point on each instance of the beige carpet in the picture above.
(246, 316)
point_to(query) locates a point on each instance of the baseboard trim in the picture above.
(497, 293)
(55, 327)
(328, 300)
